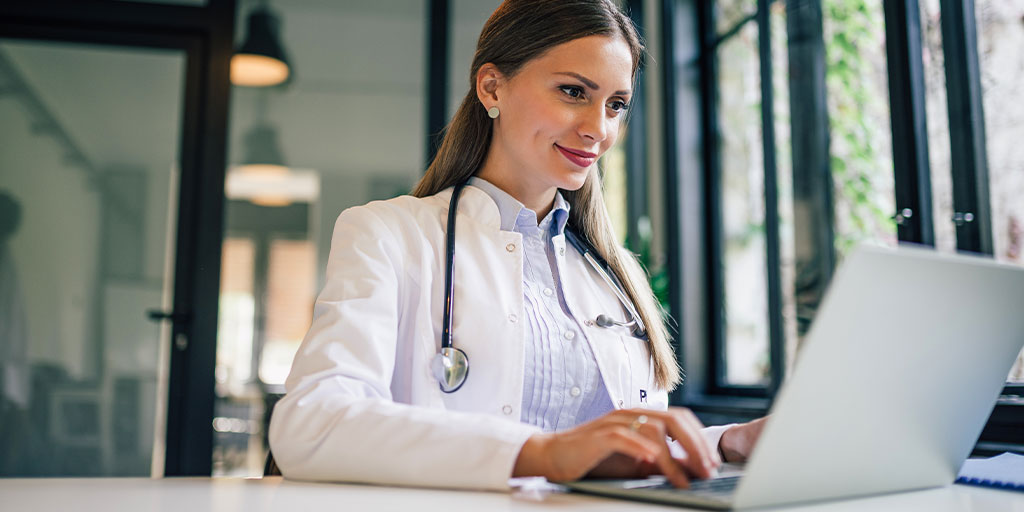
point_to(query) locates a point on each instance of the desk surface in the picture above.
(277, 495)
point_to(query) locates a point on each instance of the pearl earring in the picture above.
(493, 112)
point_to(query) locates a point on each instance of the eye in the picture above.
(572, 91)
(618, 106)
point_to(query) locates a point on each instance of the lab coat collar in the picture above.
(515, 216)
(475, 204)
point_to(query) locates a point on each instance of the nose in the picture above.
(593, 124)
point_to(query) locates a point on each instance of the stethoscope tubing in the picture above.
(451, 364)
(449, 270)
(598, 263)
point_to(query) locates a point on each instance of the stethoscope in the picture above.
(450, 365)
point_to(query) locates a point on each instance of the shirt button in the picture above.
(575, 391)
(512, 317)
(588, 322)
(569, 335)
(507, 409)
(548, 292)
(510, 247)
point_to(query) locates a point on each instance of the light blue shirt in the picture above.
(562, 385)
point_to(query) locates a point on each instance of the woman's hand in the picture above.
(625, 444)
(738, 442)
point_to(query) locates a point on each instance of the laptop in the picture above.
(895, 380)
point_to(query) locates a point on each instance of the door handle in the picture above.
(158, 315)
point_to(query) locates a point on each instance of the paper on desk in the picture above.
(1007, 468)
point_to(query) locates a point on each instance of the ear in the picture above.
(488, 82)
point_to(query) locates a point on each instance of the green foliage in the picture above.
(858, 159)
(657, 273)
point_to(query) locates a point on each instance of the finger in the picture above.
(631, 443)
(670, 467)
(696, 424)
(654, 430)
(662, 423)
(699, 459)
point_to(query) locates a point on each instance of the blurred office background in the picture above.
(164, 231)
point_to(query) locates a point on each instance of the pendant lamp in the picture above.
(261, 60)
(262, 152)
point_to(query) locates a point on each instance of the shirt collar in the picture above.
(517, 217)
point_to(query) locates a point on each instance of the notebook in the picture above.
(1005, 471)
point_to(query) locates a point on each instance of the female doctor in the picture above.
(489, 326)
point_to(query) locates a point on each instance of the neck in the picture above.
(538, 198)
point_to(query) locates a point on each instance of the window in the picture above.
(1000, 35)
(901, 167)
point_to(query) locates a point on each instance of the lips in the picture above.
(580, 158)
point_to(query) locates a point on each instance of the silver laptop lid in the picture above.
(895, 380)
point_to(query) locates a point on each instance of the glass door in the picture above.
(89, 173)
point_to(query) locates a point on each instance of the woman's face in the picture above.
(562, 111)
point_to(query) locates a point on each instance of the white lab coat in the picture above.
(361, 403)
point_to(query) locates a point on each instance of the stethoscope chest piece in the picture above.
(450, 367)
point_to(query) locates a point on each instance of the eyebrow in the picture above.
(590, 83)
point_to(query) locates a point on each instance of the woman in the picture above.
(553, 390)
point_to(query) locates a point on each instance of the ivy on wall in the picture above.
(861, 156)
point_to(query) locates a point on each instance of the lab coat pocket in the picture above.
(640, 388)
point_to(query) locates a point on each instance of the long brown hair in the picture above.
(518, 31)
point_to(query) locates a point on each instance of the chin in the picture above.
(574, 183)
(575, 179)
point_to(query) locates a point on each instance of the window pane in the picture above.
(613, 176)
(237, 312)
(936, 109)
(784, 173)
(730, 12)
(860, 135)
(745, 305)
(235, 335)
(290, 290)
(1000, 37)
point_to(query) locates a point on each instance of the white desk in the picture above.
(277, 495)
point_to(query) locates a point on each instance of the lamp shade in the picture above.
(261, 60)
(262, 152)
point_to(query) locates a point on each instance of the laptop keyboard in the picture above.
(716, 486)
(713, 488)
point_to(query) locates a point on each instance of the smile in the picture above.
(580, 158)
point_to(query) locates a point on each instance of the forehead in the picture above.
(604, 59)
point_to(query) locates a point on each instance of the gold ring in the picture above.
(640, 420)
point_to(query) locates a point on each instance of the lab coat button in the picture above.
(510, 247)
(548, 291)
(507, 409)
(620, 403)
(512, 317)
(561, 251)
(569, 335)
(575, 391)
